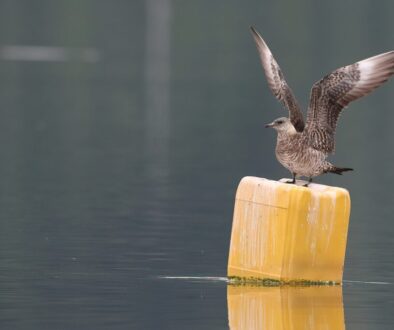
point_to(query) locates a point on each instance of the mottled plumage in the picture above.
(277, 82)
(303, 148)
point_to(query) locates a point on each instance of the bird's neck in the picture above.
(286, 140)
(287, 133)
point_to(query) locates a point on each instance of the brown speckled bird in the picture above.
(304, 148)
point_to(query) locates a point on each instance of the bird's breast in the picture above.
(294, 153)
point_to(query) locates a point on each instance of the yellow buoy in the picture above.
(288, 232)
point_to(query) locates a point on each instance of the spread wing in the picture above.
(336, 90)
(277, 82)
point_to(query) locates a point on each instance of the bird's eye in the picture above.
(279, 122)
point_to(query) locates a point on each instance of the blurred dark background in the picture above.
(125, 127)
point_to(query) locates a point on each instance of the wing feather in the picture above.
(277, 83)
(336, 90)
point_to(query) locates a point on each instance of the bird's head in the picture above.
(282, 125)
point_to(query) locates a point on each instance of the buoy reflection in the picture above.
(251, 307)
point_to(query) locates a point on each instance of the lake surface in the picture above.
(125, 129)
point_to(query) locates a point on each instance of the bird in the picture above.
(303, 147)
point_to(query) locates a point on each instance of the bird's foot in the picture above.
(294, 179)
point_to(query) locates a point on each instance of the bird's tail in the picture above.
(337, 170)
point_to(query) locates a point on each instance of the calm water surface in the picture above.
(122, 143)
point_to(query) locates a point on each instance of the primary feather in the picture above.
(336, 90)
(277, 82)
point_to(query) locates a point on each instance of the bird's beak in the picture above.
(269, 125)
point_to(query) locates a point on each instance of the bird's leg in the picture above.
(309, 181)
(294, 179)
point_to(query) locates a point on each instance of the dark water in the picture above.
(122, 147)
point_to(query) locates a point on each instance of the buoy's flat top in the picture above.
(299, 184)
